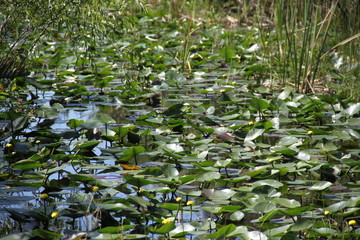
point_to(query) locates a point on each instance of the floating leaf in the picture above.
(170, 171)
(44, 234)
(104, 118)
(26, 164)
(259, 104)
(237, 216)
(182, 230)
(301, 225)
(337, 206)
(137, 181)
(213, 209)
(132, 152)
(166, 228)
(285, 94)
(253, 134)
(353, 109)
(87, 145)
(269, 182)
(227, 52)
(74, 123)
(264, 207)
(174, 110)
(319, 186)
(218, 194)
(288, 203)
(208, 177)
(279, 231)
(222, 232)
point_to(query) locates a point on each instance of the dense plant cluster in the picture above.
(163, 126)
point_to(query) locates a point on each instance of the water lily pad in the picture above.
(237, 216)
(182, 230)
(222, 232)
(319, 186)
(208, 177)
(264, 207)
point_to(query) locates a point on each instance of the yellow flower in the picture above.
(233, 83)
(266, 42)
(190, 203)
(326, 212)
(54, 214)
(94, 188)
(352, 222)
(178, 199)
(166, 221)
(8, 145)
(38, 142)
(310, 132)
(44, 195)
(271, 159)
(222, 90)
(7, 187)
(251, 123)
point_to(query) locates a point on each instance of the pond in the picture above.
(214, 150)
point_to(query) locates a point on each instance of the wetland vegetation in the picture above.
(197, 119)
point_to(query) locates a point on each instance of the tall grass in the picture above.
(307, 34)
(301, 36)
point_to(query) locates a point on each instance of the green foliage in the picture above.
(120, 141)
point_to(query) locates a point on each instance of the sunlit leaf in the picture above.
(208, 177)
(288, 203)
(319, 186)
(269, 182)
(253, 134)
(337, 206)
(170, 171)
(237, 216)
(264, 207)
(165, 228)
(222, 232)
(285, 94)
(182, 230)
(353, 109)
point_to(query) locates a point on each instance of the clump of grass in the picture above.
(305, 33)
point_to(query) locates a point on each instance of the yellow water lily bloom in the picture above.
(95, 188)
(166, 221)
(44, 195)
(352, 222)
(54, 214)
(190, 203)
(178, 199)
